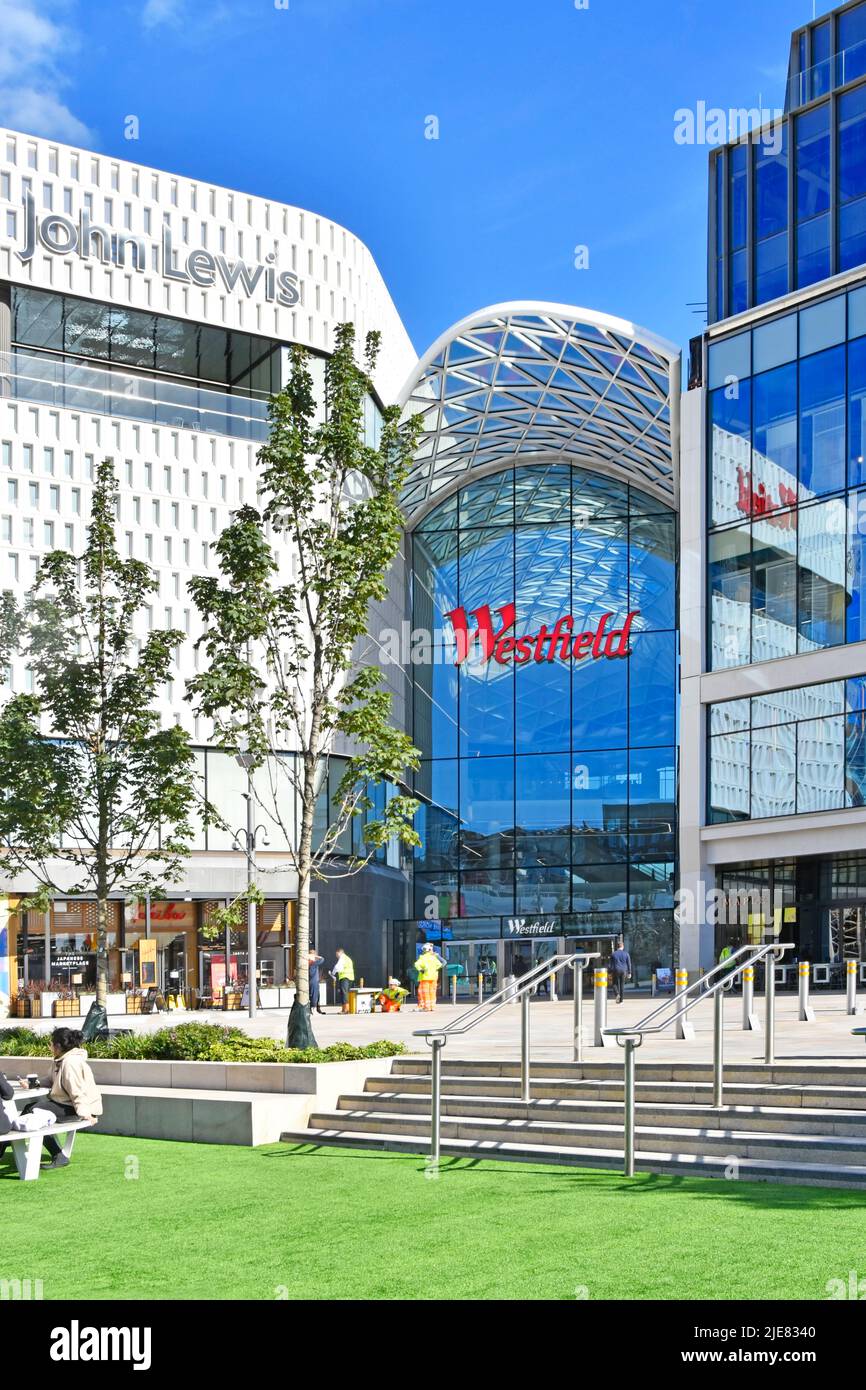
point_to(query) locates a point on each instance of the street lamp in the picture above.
(247, 837)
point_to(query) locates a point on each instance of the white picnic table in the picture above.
(27, 1144)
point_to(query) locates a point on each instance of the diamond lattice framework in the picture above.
(527, 382)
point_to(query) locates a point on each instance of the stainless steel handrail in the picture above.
(631, 1038)
(436, 1038)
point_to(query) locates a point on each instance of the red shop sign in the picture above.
(548, 644)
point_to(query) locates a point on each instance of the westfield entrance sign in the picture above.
(559, 643)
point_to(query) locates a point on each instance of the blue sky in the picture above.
(555, 127)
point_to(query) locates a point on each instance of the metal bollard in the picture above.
(807, 1015)
(436, 1100)
(683, 1029)
(551, 979)
(629, 1105)
(453, 989)
(577, 971)
(851, 972)
(770, 1001)
(524, 1046)
(480, 988)
(601, 1039)
(751, 1022)
(719, 1049)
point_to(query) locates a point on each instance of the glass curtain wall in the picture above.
(548, 786)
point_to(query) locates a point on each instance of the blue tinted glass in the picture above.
(543, 792)
(487, 891)
(739, 295)
(822, 325)
(720, 290)
(771, 188)
(856, 568)
(652, 801)
(729, 580)
(852, 44)
(541, 890)
(774, 343)
(435, 703)
(729, 360)
(599, 572)
(813, 162)
(819, 76)
(652, 577)
(542, 494)
(730, 436)
(599, 888)
(651, 885)
(486, 686)
(852, 234)
(737, 160)
(857, 412)
(489, 502)
(599, 795)
(653, 680)
(823, 588)
(599, 703)
(487, 808)
(855, 765)
(434, 580)
(720, 205)
(822, 422)
(436, 819)
(852, 145)
(813, 251)
(774, 452)
(771, 268)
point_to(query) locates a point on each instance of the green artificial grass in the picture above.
(145, 1219)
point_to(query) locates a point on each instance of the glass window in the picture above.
(822, 423)
(820, 765)
(856, 568)
(487, 809)
(652, 571)
(437, 818)
(653, 679)
(729, 715)
(852, 145)
(813, 163)
(822, 326)
(819, 75)
(773, 771)
(813, 251)
(599, 805)
(730, 589)
(774, 586)
(730, 451)
(739, 285)
(823, 579)
(729, 794)
(729, 360)
(773, 481)
(738, 165)
(857, 412)
(771, 268)
(852, 234)
(599, 888)
(652, 801)
(852, 44)
(543, 809)
(771, 188)
(774, 343)
(855, 759)
(486, 688)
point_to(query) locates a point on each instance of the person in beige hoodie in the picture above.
(72, 1087)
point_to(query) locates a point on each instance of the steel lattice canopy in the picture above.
(531, 382)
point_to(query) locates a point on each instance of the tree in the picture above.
(95, 792)
(286, 674)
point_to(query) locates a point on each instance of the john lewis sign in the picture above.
(88, 240)
(560, 642)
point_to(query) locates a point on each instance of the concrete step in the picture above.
(789, 1094)
(681, 1164)
(815, 1072)
(730, 1143)
(754, 1118)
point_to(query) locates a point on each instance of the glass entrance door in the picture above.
(477, 958)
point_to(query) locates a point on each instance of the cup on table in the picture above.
(32, 1080)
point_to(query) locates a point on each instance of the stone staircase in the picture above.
(793, 1122)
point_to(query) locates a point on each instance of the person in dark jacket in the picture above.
(314, 962)
(620, 964)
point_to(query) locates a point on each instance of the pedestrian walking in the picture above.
(621, 967)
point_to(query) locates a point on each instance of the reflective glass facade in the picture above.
(788, 203)
(788, 752)
(549, 785)
(787, 485)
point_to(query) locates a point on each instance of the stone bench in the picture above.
(201, 1117)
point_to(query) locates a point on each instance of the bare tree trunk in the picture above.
(300, 1031)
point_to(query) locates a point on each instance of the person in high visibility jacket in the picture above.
(427, 968)
(344, 973)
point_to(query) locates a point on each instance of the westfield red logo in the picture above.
(548, 644)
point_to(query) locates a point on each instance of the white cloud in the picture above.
(31, 81)
(158, 12)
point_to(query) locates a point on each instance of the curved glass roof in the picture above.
(532, 382)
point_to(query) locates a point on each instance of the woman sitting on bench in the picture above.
(73, 1090)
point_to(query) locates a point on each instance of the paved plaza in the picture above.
(829, 1037)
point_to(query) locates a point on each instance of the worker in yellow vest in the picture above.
(427, 968)
(344, 974)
